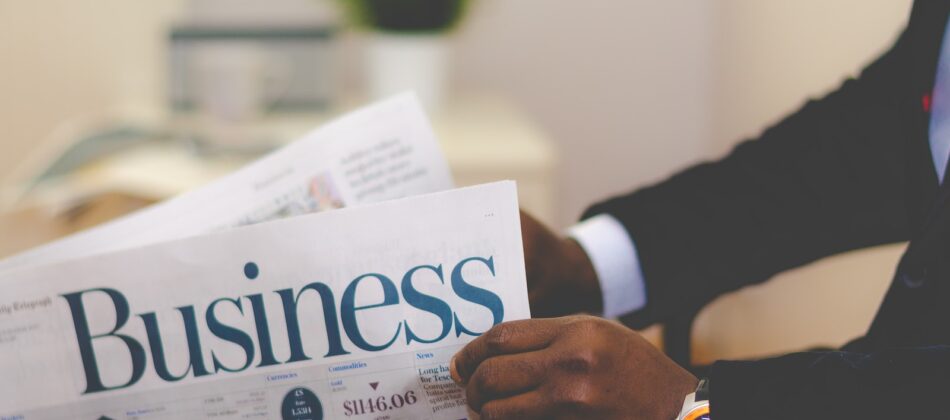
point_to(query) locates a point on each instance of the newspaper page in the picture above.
(381, 152)
(349, 314)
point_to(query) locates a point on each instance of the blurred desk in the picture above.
(27, 228)
(484, 138)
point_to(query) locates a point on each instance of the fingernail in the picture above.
(454, 371)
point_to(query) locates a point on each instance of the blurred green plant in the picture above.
(405, 15)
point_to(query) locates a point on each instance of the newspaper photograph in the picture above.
(384, 151)
(347, 314)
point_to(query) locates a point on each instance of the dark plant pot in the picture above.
(411, 15)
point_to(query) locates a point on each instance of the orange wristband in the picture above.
(697, 413)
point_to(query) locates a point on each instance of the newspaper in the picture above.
(381, 152)
(349, 314)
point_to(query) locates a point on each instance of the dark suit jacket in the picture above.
(848, 171)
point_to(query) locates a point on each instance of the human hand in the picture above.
(561, 278)
(578, 367)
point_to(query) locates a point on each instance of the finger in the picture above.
(510, 337)
(505, 376)
(527, 406)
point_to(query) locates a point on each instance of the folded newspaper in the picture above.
(353, 313)
(381, 152)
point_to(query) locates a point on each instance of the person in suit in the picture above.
(863, 166)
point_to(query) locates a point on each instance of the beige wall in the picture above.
(622, 86)
(65, 58)
(770, 55)
(630, 90)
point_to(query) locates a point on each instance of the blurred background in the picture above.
(109, 105)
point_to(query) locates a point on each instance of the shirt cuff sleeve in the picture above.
(614, 255)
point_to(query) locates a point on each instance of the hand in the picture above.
(578, 367)
(561, 278)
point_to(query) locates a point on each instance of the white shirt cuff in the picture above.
(614, 256)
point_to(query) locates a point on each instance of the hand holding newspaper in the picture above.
(345, 314)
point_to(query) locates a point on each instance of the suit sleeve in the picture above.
(827, 179)
(892, 384)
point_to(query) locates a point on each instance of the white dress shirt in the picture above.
(614, 255)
